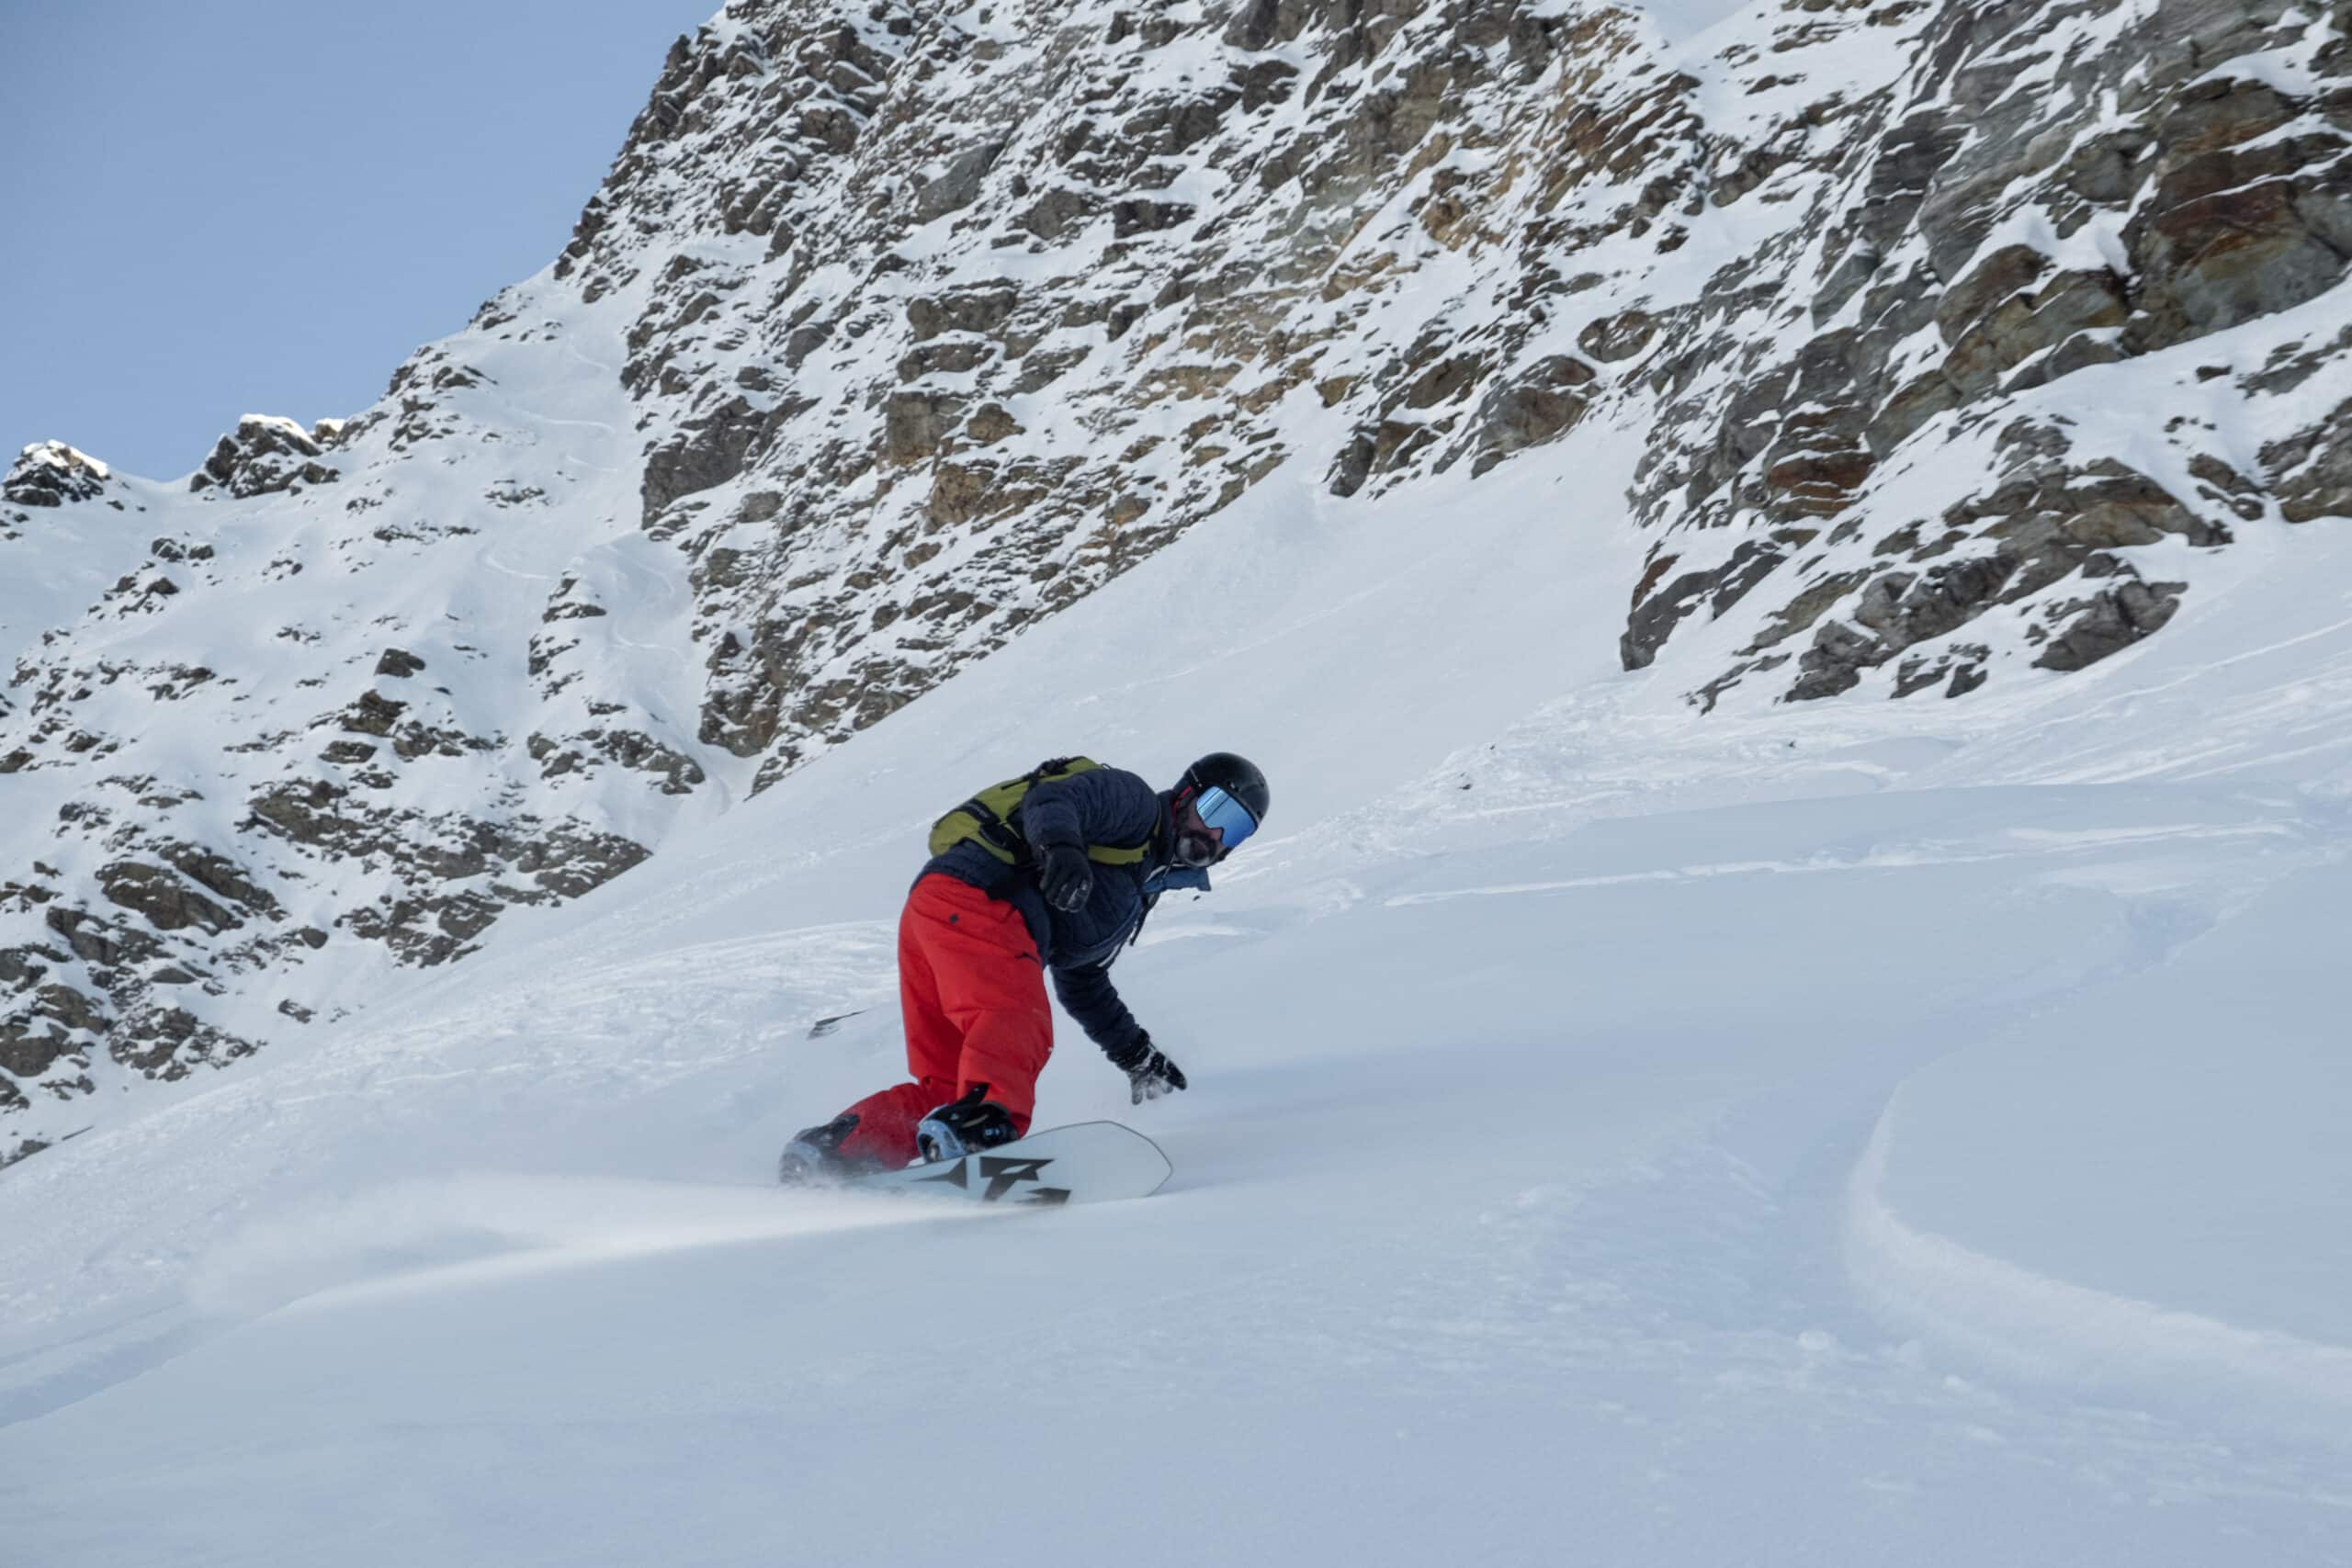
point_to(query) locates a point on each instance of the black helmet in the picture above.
(1237, 776)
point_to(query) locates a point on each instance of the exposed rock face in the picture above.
(1087, 230)
(1952, 336)
(2047, 521)
(1909, 230)
(2311, 471)
(1991, 253)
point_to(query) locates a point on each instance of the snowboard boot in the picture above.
(813, 1158)
(965, 1126)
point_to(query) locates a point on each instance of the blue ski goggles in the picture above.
(1228, 815)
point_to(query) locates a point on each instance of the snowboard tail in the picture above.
(1086, 1162)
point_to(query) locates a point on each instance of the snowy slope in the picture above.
(1966, 341)
(1616, 1136)
(1839, 1131)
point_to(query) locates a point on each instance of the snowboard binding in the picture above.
(813, 1157)
(965, 1126)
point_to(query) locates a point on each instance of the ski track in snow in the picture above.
(2044, 1326)
(1919, 856)
(1643, 1304)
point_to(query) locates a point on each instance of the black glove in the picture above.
(1150, 1074)
(1065, 876)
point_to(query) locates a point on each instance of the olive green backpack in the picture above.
(988, 819)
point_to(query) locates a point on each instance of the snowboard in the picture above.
(1086, 1162)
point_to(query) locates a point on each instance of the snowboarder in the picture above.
(1056, 870)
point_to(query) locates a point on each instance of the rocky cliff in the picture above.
(1959, 339)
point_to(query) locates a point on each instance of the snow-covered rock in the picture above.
(284, 737)
(268, 453)
(51, 473)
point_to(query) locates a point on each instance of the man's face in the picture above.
(1198, 845)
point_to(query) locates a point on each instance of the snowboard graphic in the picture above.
(1086, 1162)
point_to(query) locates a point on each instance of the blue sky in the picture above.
(259, 207)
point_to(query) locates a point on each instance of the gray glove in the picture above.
(1150, 1072)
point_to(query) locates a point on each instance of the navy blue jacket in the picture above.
(1107, 806)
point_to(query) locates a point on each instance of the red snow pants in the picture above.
(973, 991)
